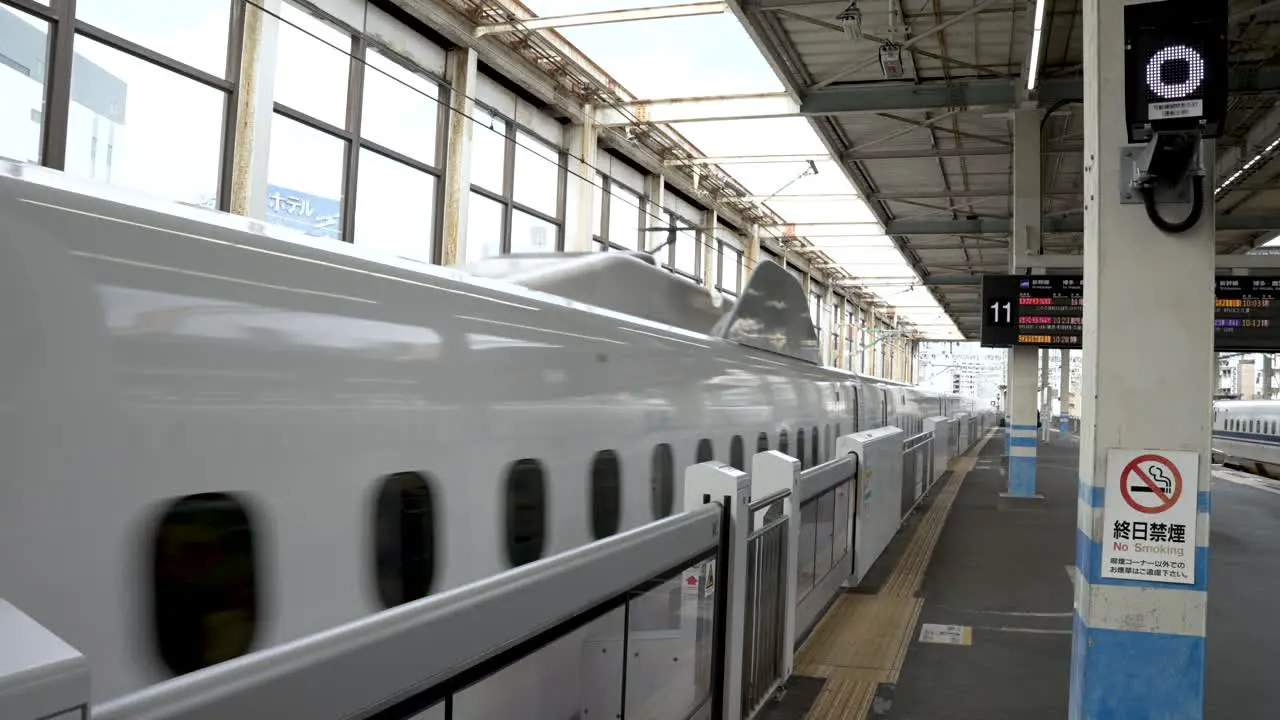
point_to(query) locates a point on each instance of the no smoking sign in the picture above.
(1149, 517)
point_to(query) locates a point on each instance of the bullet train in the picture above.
(218, 435)
(1246, 435)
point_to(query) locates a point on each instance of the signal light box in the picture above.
(1176, 73)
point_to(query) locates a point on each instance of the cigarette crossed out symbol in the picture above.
(1158, 476)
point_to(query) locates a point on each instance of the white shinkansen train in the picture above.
(1246, 435)
(217, 437)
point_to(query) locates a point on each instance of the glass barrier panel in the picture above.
(808, 541)
(576, 676)
(824, 531)
(670, 633)
(840, 542)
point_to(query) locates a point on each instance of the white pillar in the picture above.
(1043, 417)
(1138, 645)
(1023, 396)
(1064, 392)
(710, 248)
(580, 183)
(462, 73)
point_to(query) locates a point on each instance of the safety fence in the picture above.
(693, 616)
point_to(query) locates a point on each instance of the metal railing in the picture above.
(764, 633)
(917, 470)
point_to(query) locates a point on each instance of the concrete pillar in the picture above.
(1064, 392)
(1138, 645)
(580, 183)
(1023, 395)
(1045, 392)
(753, 253)
(461, 72)
(710, 248)
(1021, 442)
(655, 190)
(255, 102)
(1266, 376)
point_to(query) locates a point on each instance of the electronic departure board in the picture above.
(1047, 311)
(1246, 317)
(1040, 310)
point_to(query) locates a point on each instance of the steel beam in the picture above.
(1052, 224)
(602, 18)
(746, 159)
(880, 96)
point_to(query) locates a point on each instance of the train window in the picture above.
(800, 453)
(831, 445)
(737, 453)
(705, 453)
(762, 442)
(204, 582)
(662, 484)
(526, 511)
(838, 434)
(815, 459)
(606, 494)
(784, 444)
(403, 538)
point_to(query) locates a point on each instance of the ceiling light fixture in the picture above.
(851, 19)
(1037, 32)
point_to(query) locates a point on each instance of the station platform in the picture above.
(969, 614)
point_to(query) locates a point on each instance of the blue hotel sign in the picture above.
(314, 215)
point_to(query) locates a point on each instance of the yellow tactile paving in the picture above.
(862, 641)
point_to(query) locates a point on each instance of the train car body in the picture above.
(205, 422)
(1246, 435)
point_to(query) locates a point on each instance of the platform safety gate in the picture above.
(917, 470)
(766, 601)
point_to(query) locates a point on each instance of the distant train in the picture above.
(218, 436)
(1246, 435)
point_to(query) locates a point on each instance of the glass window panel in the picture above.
(530, 234)
(400, 109)
(484, 228)
(687, 252)
(312, 66)
(23, 48)
(395, 207)
(488, 150)
(537, 175)
(164, 136)
(304, 178)
(624, 218)
(191, 31)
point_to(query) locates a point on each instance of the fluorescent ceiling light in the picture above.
(1037, 30)
(1248, 165)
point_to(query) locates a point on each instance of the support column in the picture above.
(1043, 419)
(710, 248)
(655, 190)
(1021, 442)
(1064, 393)
(252, 148)
(1266, 376)
(461, 73)
(580, 183)
(1138, 646)
(1023, 394)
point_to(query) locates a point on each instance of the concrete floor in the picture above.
(1004, 571)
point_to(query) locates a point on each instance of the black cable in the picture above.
(1054, 108)
(1197, 207)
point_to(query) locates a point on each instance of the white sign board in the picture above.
(946, 634)
(1149, 519)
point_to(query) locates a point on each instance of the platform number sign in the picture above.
(1001, 312)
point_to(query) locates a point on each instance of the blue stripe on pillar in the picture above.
(1022, 442)
(1022, 475)
(1023, 427)
(1127, 674)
